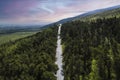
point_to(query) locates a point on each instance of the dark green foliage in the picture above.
(92, 50)
(31, 58)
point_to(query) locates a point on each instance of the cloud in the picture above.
(44, 7)
(42, 11)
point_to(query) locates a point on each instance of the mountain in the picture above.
(100, 13)
(96, 13)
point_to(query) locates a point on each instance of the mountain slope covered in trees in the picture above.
(103, 14)
(91, 50)
(93, 15)
(30, 58)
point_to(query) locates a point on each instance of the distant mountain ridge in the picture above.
(89, 13)
(86, 15)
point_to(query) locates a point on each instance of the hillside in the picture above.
(96, 14)
(30, 58)
(103, 14)
(91, 50)
(92, 15)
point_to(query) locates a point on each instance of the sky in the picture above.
(47, 11)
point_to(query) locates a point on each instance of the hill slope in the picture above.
(103, 14)
(100, 13)
(91, 50)
(31, 58)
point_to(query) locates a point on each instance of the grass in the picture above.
(14, 36)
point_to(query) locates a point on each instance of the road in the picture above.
(59, 55)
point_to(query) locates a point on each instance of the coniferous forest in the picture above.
(30, 58)
(91, 49)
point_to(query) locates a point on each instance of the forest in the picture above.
(30, 58)
(91, 50)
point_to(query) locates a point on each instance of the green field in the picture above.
(14, 36)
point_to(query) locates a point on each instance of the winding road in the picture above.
(59, 55)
